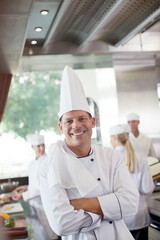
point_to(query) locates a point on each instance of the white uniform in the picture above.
(144, 183)
(105, 174)
(142, 145)
(33, 193)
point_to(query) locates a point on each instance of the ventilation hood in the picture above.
(71, 27)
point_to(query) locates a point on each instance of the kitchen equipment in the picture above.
(8, 186)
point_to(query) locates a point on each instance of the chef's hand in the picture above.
(78, 203)
(21, 189)
(18, 192)
(17, 197)
(87, 204)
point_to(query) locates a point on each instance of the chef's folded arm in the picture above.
(62, 217)
(122, 203)
(87, 204)
(65, 219)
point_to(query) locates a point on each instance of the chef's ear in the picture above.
(60, 127)
(93, 120)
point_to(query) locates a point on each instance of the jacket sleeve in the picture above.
(152, 151)
(30, 194)
(63, 219)
(123, 202)
(146, 183)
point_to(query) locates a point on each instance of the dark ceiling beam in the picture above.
(58, 18)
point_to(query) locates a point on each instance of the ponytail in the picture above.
(129, 157)
(129, 152)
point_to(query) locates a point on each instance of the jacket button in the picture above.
(110, 222)
(98, 179)
(92, 159)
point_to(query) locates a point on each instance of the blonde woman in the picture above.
(140, 172)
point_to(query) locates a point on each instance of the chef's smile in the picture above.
(78, 134)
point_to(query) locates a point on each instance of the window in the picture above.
(32, 107)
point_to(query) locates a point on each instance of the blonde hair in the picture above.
(123, 138)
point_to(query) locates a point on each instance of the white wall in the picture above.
(137, 92)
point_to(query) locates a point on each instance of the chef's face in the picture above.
(113, 141)
(134, 125)
(77, 127)
(39, 150)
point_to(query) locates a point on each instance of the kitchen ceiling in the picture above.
(80, 32)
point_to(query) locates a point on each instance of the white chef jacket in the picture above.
(142, 145)
(115, 190)
(144, 183)
(33, 193)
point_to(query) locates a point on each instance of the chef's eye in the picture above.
(69, 122)
(81, 119)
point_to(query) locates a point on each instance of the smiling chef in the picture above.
(86, 189)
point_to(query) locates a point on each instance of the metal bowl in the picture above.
(8, 186)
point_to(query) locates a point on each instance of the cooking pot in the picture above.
(8, 186)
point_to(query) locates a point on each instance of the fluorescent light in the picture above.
(38, 29)
(44, 12)
(33, 42)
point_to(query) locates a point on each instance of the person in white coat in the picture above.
(31, 193)
(141, 175)
(83, 186)
(139, 141)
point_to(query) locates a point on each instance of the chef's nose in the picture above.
(41, 147)
(76, 123)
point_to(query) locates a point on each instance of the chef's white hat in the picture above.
(72, 93)
(35, 139)
(119, 129)
(132, 117)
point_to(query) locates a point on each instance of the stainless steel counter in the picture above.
(154, 203)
